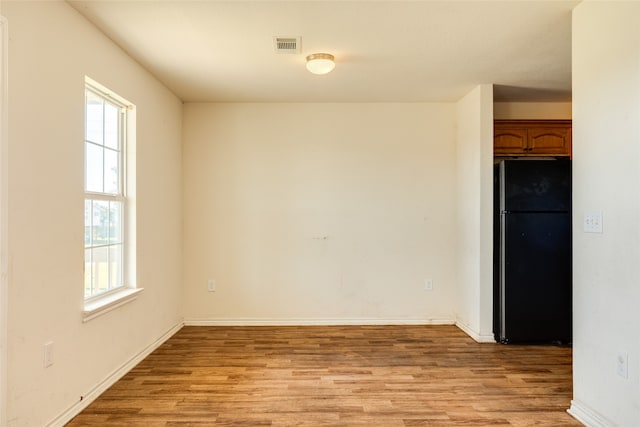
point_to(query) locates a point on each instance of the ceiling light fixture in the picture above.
(320, 63)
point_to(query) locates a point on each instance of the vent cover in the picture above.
(287, 44)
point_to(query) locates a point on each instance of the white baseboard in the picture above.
(587, 416)
(314, 322)
(111, 379)
(476, 336)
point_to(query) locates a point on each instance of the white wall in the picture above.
(4, 226)
(532, 110)
(606, 165)
(474, 212)
(51, 49)
(319, 213)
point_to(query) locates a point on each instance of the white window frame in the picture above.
(126, 291)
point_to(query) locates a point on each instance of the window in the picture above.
(105, 204)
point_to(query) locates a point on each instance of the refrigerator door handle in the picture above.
(502, 278)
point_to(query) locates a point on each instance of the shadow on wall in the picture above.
(505, 93)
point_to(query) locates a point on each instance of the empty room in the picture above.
(313, 213)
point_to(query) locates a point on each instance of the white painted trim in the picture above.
(111, 379)
(4, 210)
(587, 416)
(314, 322)
(477, 337)
(109, 302)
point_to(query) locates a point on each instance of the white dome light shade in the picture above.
(320, 63)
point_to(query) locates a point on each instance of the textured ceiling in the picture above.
(386, 51)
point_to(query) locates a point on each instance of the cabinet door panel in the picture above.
(550, 140)
(509, 141)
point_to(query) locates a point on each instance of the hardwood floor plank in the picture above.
(338, 376)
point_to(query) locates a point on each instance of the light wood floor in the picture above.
(338, 376)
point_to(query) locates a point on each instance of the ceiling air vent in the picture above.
(287, 44)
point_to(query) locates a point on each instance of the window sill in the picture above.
(109, 302)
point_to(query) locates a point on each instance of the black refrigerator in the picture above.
(533, 252)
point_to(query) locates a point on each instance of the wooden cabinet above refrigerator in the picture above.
(530, 138)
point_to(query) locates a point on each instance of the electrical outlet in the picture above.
(622, 365)
(592, 222)
(48, 354)
(428, 284)
(211, 285)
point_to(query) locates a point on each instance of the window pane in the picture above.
(111, 172)
(93, 168)
(87, 273)
(103, 214)
(111, 126)
(94, 118)
(100, 223)
(115, 266)
(87, 223)
(115, 222)
(100, 269)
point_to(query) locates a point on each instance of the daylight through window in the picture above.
(105, 201)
